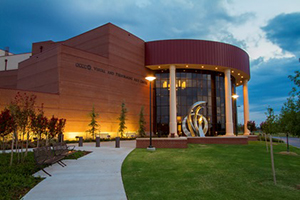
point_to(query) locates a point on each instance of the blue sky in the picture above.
(269, 31)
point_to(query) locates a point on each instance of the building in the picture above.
(10, 61)
(108, 65)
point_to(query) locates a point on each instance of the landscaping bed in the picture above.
(17, 180)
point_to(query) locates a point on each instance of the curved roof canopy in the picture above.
(198, 54)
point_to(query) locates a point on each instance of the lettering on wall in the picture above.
(112, 73)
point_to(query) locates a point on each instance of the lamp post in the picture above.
(235, 96)
(150, 79)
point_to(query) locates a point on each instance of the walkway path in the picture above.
(94, 176)
(292, 141)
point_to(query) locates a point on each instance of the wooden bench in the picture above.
(46, 156)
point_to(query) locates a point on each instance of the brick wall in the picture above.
(218, 140)
(252, 137)
(162, 142)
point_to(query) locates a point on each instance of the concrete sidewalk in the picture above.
(94, 176)
(293, 141)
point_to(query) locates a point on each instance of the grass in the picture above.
(211, 172)
(17, 180)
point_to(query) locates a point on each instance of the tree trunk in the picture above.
(266, 142)
(27, 143)
(22, 158)
(3, 145)
(17, 146)
(12, 149)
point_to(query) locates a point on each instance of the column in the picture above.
(173, 113)
(246, 107)
(228, 103)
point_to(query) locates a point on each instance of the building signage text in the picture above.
(97, 69)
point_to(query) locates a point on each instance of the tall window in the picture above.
(191, 86)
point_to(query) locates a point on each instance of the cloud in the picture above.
(32, 21)
(284, 30)
(25, 22)
(269, 86)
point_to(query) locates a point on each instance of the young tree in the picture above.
(60, 127)
(289, 118)
(39, 124)
(93, 124)
(142, 123)
(122, 120)
(251, 126)
(52, 129)
(270, 126)
(6, 125)
(290, 112)
(23, 106)
(15, 112)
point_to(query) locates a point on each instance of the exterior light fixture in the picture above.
(158, 67)
(202, 66)
(186, 66)
(232, 71)
(150, 79)
(235, 96)
(216, 68)
(239, 74)
(242, 76)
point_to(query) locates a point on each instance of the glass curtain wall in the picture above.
(191, 86)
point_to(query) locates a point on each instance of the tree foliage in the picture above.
(142, 122)
(290, 111)
(296, 80)
(39, 124)
(270, 126)
(290, 117)
(20, 119)
(122, 119)
(6, 125)
(94, 123)
(251, 126)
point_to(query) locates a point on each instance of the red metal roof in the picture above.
(196, 52)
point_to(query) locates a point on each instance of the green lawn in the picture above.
(211, 172)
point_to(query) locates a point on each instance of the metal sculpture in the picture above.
(195, 124)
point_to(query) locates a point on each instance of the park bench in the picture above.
(62, 149)
(46, 156)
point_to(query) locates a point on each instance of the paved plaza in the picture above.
(94, 176)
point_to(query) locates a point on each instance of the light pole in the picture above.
(235, 96)
(150, 79)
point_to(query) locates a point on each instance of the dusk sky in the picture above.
(269, 31)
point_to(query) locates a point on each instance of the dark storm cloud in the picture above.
(269, 85)
(284, 30)
(24, 22)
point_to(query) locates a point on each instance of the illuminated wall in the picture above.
(102, 67)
